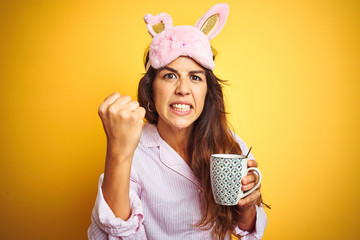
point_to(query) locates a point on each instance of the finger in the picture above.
(111, 98)
(121, 101)
(251, 177)
(140, 112)
(250, 186)
(252, 163)
(133, 105)
(251, 199)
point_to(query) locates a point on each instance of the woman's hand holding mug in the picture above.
(248, 183)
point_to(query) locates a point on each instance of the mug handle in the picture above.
(258, 183)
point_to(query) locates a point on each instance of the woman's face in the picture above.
(179, 92)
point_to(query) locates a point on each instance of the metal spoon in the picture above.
(248, 152)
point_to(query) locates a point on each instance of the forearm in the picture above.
(116, 182)
(247, 219)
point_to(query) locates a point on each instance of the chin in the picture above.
(182, 124)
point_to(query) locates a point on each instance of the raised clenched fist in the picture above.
(122, 119)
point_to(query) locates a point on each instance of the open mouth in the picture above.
(181, 107)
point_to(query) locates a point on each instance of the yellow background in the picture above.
(294, 70)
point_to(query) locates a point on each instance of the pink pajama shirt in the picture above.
(165, 198)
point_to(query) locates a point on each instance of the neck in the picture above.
(176, 138)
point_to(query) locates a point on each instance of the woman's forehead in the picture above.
(185, 63)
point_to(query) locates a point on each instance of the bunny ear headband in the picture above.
(170, 42)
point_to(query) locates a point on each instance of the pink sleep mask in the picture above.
(170, 42)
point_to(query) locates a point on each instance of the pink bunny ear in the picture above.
(213, 20)
(157, 24)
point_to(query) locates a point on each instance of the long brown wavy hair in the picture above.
(211, 134)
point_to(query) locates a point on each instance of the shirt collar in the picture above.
(150, 136)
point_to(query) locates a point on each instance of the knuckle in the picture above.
(249, 177)
(254, 195)
(116, 111)
(101, 110)
(126, 98)
(134, 117)
(243, 181)
(250, 186)
(123, 114)
(254, 177)
(112, 109)
(115, 94)
(142, 111)
(136, 103)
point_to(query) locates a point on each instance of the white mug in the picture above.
(226, 172)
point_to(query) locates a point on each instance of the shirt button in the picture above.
(199, 190)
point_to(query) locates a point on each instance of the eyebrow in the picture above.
(175, 71)
(169, 69)
(197, 71)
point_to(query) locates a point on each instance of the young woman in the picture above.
(156, 183)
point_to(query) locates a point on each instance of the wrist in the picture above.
(117, 152)
(247, 220)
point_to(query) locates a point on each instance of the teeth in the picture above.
(181, 107)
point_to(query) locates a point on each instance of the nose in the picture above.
(183, 87)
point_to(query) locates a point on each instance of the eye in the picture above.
(169, 76)
(195, 78)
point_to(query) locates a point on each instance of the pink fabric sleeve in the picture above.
(261, 221)
(106, 226)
